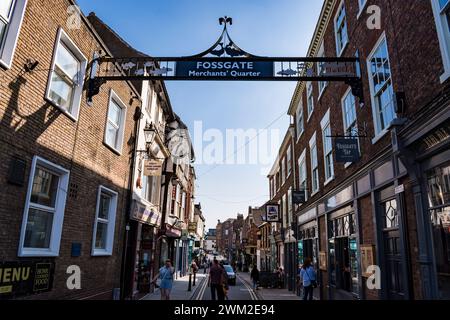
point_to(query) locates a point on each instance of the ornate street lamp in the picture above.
(150, 133)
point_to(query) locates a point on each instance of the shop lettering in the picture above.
(9, 275)
(224, 65)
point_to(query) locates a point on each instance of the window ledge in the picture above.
(30, 252)
(348, 164)
(380, 135)
(117, 152)
(310, 115)
(63, 111)
(328, 181)
(314, 193)
(445, 76)
(101, 253)
(322, 91)
(5, 65)
(301, 134)
(343, 48)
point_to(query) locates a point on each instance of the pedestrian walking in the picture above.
(225, 286)
(254, 275)
(215, 281)
(165, 274)
(308, 276)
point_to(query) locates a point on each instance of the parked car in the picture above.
(231, 274)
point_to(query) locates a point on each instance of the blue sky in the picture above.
(187, 27)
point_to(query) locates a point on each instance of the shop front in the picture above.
(145, 223)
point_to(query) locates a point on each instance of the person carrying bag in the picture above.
(308, 276)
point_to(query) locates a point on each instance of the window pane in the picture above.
(391, 214)
(5, 6)
(45, 188)
(103, 210)
(111, 135)
(61, 90)
(39, 229)
(100, 237)
(443, 4)
(2, 31)
(114, 113)
(68, 63)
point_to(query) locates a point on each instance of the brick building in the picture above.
(391, 207)
(66, 165)
(281, 182)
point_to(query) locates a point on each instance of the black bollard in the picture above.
(190, 282)
(195, 276)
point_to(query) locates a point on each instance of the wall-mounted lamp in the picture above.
(149, 136)
(30, 65)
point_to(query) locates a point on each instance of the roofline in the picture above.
(316, 41)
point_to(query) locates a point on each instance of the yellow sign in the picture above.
(152, 168)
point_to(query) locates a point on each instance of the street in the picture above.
(241, 291)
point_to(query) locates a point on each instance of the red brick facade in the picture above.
(32, 126)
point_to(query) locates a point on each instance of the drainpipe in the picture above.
(137, 122)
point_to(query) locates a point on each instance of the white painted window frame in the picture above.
(111, 222)
(309, 99)
(289, 161)
(299, 113)
(321, 85)
(324, 123)
(378, 132)
(302, 163)
(114, 97)
(361, 7)
(313, 150)
(344, 45)
(443, 33)
(8, 46)
(63, 39)
(58, 218)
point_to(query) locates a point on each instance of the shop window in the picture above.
(439, 197)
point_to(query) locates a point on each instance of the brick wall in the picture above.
(31, 126)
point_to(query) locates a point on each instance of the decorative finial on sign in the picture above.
(225, 20)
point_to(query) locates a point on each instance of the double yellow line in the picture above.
(250, 289)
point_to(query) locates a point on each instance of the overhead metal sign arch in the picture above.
(225, 61)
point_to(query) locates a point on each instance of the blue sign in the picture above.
(224, 69)
(347, 150)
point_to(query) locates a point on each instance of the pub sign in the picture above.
(347, 150)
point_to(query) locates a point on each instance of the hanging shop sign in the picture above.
(272, 213)
(153, 167)
(347, 150)
(192, 227)
(224, 69)
(299, 197)
(172, 232)
(20, 278)
(145, 214)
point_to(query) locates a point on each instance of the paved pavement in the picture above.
(180, 288)
(269, 294)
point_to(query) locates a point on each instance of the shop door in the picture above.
(392, 251)
(145, 259)
(343, 275)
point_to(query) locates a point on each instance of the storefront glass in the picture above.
(439, 200)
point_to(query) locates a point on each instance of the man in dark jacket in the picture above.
(215, 281)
